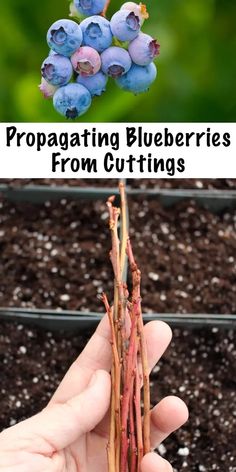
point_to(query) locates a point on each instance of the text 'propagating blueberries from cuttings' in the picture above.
(83, 56)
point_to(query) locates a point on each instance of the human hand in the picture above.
(71, 433)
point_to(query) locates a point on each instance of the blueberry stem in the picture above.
(106, 8)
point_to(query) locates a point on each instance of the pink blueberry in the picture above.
(47, 89)
(86, 61)
(139, 9)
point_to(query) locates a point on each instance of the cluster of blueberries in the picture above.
(94, 50)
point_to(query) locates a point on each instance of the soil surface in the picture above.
(199, 366)
(55, 255)
(186, 255)
(220, 184)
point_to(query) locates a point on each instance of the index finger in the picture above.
(95, 356)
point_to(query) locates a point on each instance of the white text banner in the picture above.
(118, 150)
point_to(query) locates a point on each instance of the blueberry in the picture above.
(125, 25)
(72, 101)
(90, 7)
(115, 61)
(138, 79)
(64, 37)
(96, 84)
(86, 61)
(139, 10)
(47, 89)
(143, 49)
(57, 70)
(96, 32)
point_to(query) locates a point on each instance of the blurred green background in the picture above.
(197, 66)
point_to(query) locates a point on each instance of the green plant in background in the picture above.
(197, 67)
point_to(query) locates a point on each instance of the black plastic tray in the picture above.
(75, 320)
(215, 200)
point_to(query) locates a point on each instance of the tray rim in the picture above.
(67, 320)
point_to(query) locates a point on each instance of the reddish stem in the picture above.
(115, 401)
(136, 277)
(106, 8)
(129, 434)
(132, 433)
(127, 390)
(138, 415)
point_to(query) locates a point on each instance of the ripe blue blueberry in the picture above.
(125, 25)
(143, 49)
(138, 79)
(96, 84)
(90, 7)
(64, 37)
(57, 70)
(72, 101)
(115, 61)
(96, 32)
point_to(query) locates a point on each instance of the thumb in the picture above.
(59, 425)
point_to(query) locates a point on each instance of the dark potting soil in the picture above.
(187, 257)
(210, 184)
(199, 366)
(55, 255)
(19, 183)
